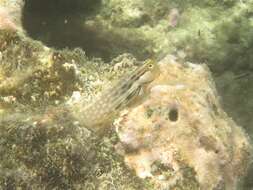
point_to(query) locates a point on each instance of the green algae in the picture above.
(42, 145)
(57, 154)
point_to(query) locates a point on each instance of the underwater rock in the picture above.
(37, 77)
(10, 14)
(42, 144)
(179, 134)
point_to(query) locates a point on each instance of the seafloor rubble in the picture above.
(42, 143)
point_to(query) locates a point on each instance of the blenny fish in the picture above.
(101, 111)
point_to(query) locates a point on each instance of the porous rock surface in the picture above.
(44, 147)
(181, 127)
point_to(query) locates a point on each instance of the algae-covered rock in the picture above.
(10, 14)
(43, 85)
(181, 126)
(42, 143)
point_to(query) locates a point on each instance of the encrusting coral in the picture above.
(53, 137)
(175, 135)
(181, 125)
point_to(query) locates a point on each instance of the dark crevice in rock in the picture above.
(61, 24)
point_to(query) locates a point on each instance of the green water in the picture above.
(218, 33)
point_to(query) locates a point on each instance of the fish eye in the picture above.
(150, 66)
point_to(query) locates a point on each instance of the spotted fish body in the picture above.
(112, 100)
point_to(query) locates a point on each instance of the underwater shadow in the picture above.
(61, 24)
